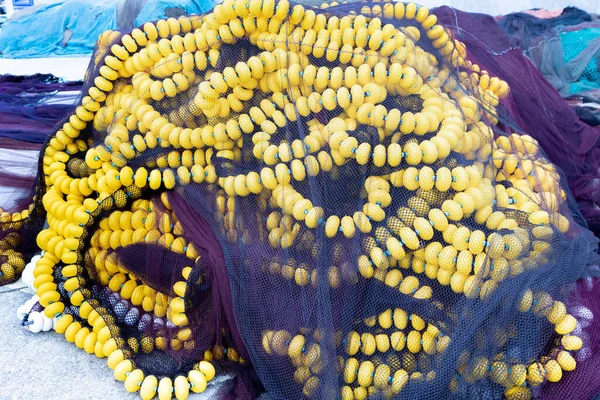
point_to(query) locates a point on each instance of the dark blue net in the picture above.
(344, 202)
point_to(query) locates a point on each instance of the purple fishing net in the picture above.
(327, 203)
(30, 106)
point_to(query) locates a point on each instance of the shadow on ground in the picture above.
(45, 366)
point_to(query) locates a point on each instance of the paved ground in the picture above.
(44, 366)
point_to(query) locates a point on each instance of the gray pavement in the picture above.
(44, 366)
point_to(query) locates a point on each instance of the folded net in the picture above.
(329, 203)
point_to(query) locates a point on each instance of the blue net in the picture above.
(564, 48)
(582, 52)
(72, 27)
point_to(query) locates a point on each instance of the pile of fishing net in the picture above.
(328, 203)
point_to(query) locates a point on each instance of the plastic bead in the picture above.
(566, 361)
(572, 343)
(553, 371)
(365, 374)
(401, 376)
(566, 325)
(54, 309)
(518, 393)
(207, 369)
(182, 388)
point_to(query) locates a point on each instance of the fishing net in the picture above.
(564, 48)
(581, 57)
(326, 203)
(535, 106)
(32, 105)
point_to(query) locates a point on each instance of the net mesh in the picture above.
(563, 48)
(575, 43)
(331, 203)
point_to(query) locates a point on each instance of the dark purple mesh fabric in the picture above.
(30, 106)
(248, 295)
(13, 144)
(212, 263)
(146, 261)
(11, 180)
(199, 229)
(535, 106)
(30, 123)
(12, 87)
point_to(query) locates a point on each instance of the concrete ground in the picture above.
(44, 366)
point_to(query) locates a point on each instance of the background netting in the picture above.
(563, 48)
(329, 203)
(581, 51)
